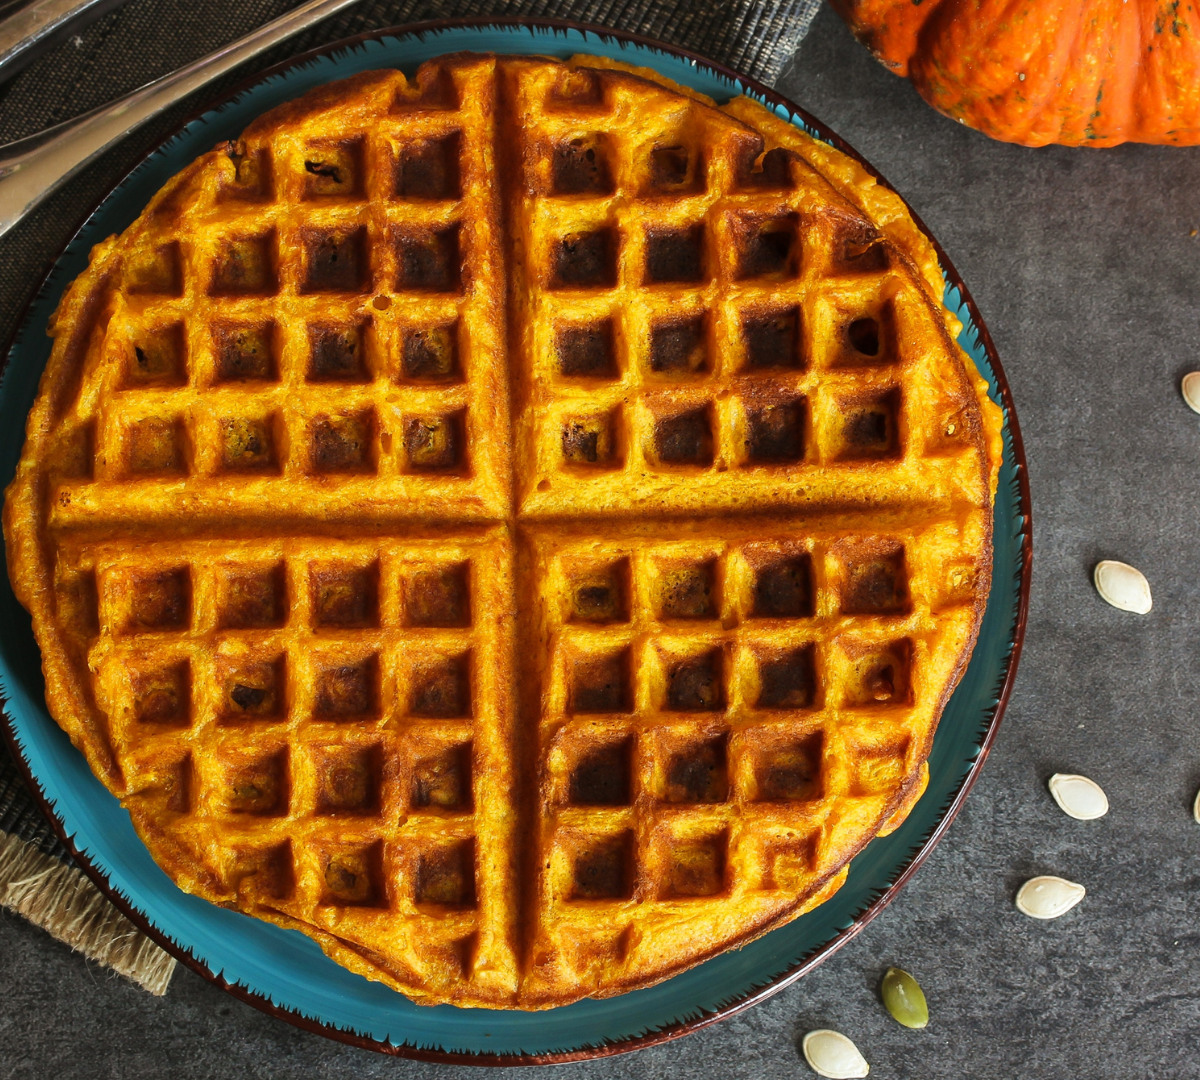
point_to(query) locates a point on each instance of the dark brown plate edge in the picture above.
(684, 1027)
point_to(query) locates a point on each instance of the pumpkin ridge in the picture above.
(1095, 72)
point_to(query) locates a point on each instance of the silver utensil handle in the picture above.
(39, 24)
(32, 168)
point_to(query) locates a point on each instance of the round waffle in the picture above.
(519, 525)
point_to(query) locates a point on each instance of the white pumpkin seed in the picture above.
(1190, 387)
(1123, 586)
(831, 1054)
(1048, 897)
(1196, 808)
(1078, 797)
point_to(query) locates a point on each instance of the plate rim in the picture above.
(1023, 507)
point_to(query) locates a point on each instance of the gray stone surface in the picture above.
(1085, 268)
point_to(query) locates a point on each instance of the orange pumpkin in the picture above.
(1076, 72)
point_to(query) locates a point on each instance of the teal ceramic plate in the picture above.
(283, 971)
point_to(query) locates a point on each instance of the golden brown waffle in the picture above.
(519, 526)
(726, 717)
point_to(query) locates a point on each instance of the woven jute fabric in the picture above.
(145, 39)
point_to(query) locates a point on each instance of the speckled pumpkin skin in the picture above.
(1073, 72)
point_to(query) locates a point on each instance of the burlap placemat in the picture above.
(131, 46)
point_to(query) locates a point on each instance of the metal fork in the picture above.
(34, 167)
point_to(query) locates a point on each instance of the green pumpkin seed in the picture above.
(904, 999)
